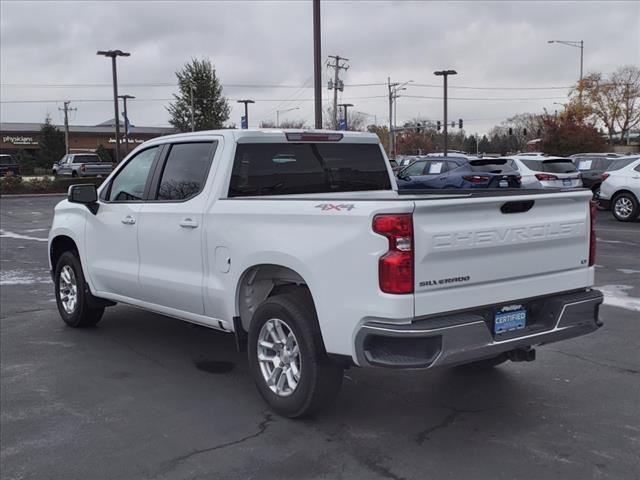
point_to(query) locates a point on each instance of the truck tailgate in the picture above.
(101, 168)
(486, 250)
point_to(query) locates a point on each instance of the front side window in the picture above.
(416, 168)
(185, 171)
(130, 182)
(299, 168)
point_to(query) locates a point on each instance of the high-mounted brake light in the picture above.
(593, 210)
(313, 137)
(395, 268)
(543, 177)
(476, 178)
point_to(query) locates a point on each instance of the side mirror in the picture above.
(86, 194)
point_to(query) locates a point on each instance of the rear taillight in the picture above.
(476, 178)
(593, 209)
(395, 268)
(83, 167)
(544, 177)
(605, 176)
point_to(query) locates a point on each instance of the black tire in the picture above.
(484, 364)
(74, 174)
(83, 314)
(630, 201)
(320, 379)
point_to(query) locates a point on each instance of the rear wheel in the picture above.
(72, 293)
(287, 357)
(625, 207)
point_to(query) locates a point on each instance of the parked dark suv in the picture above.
(592, 167)
(8, 166)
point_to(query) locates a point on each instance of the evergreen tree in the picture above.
(104, 154)
(211, 108)
(52, 146)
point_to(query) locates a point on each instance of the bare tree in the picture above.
(612, 101)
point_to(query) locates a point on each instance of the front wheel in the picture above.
(72, 293)
(625, 207)
(287, 358)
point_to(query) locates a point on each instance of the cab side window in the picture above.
(185, 170)
(130, 182)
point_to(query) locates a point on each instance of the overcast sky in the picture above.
(48, 52)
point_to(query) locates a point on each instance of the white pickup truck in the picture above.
(300, 244)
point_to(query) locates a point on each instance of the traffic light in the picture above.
(418, 127)
(524, 132)
(438, 125)
(459, 123)
(510, 131)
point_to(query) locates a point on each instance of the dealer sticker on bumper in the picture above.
(509, 318)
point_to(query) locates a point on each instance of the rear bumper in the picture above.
(468, 336)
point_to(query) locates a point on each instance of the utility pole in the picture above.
(344, 107)
(113, 54)
(317, 60)
(193, 110)
(246, 112)
(445, 74)
(337, 83)
(66, 110)
(394, 88)
(126, 122)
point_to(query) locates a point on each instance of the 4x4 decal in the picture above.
(332, 206)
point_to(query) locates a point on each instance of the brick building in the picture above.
(26, 136)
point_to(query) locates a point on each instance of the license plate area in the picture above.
(509, 318)
(566, 182)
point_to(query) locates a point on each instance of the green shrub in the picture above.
(11, 184)
(15, 185)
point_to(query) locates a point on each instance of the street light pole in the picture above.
(113, 54)
(317, 61)
(580, 45)
(445, 74)
(283, 111)
(246, 110)
(126, 122)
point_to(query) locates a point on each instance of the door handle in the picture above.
(188, 223)
(128, 220)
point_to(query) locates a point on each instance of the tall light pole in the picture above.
(278, 112)
(126, 122)
(576, 44)
(246, 110)
(445, 74)
(344, 107)
(113, 54)
(317, 63)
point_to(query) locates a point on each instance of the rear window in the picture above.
(494, 165)
(563, 165)
(620, 163)
(298, 168)
(86, 159)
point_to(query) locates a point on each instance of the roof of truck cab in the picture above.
(272, 135)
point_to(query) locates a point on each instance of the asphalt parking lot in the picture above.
(146, 396)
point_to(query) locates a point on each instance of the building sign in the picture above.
(131, 140)
(19, 140)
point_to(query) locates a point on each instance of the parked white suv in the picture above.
(547, 172)
(620, 192)
(300, 244)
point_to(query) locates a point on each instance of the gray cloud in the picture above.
(489, 43)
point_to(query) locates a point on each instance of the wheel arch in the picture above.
(622, 191)
(59, 245)
(259, 282)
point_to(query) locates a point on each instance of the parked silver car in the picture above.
(82, 165)
(547, 172)
(620, 191)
